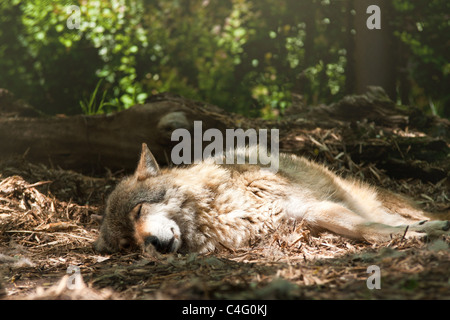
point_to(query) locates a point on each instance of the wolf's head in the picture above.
(139, 210)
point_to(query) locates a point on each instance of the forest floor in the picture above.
(49, 218)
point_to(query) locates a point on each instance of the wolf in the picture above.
(207, 206)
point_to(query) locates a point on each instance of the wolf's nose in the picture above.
(153, 241)
(161, 246)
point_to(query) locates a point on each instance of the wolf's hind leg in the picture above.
(337, 218)
(341, 220)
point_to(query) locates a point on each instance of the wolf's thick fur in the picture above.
(206, 206)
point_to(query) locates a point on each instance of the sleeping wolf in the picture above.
(206, 206)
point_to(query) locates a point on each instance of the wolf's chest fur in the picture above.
(228, 206)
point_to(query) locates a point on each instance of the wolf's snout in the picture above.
(160, 246)
(152, 240)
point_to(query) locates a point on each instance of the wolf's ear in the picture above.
(147, 166)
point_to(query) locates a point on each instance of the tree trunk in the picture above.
(373, 56)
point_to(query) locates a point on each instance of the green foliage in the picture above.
(423, 27)
(93, 106)
(246, 56)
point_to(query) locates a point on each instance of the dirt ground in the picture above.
(50, 217)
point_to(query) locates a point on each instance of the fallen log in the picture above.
(90, 143)
(367, 128)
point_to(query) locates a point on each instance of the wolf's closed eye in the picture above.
(136, 212)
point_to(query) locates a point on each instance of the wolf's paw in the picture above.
(431, 228)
